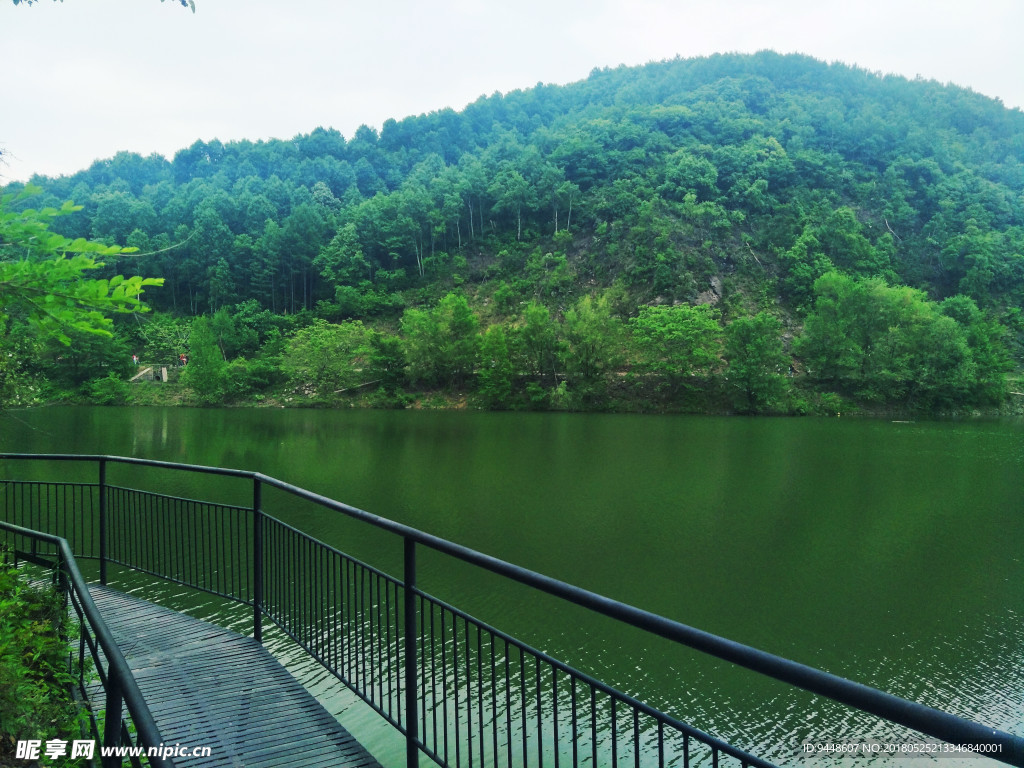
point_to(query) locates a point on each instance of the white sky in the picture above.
(84, 79)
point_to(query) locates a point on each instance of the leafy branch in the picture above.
(43, 274)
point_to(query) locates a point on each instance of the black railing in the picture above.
(462, 692)
(119, 689)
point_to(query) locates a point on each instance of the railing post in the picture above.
(103, 521)
(112, 717)
(412, 758)
(257, 560)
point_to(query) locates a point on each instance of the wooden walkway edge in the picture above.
(210, 687)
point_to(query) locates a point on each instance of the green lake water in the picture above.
(889, 553)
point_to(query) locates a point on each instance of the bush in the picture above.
(109, 390)
(35, 681)
(246, 378)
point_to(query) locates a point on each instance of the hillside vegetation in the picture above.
(751, 233)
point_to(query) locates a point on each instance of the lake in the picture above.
(891, 553)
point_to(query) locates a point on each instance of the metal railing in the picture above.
(95, 641)
(462, 692)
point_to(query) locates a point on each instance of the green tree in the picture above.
(494, 379)
(441, 345)
(677, 343)
(538, 342)
(757, 361)
(593, 348)
(386, 361)
(987, 341)
(326, 356)
(890, 343)
(341, 262)
(206, 372)
(458, 330)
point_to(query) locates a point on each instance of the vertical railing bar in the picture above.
(127, 505)
(661, 743)
(480, 692)
(373, 628)
(186, 509)
(296, 597)
(422, 692)
(508, 701)
(387, 636)
(593, 726)
(317, 589)
(433, 674)
(411, 749)
(615, 734)
(203, 544)
(60, 497)
(575, 734)
(362, 628)
(332, 599)
(554, 710)
(223, 557)
(257, 559)
(524, 706)
(378, 636)
(120, 518)
(134, 512)
(308, 589)
(301, 590)
(444, 682)
(350, 622)
(318, 603)
(207, 546)
(455, 670)
(469, 693)
(180, 567)
(350, 601)
(126, 531)
(308, 592)
(112, 716)
(239, 584)
(231, 545)
(540, 714)
(636, 738)
(103, 521)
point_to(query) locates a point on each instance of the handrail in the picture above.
(120, 682)
(927, 720)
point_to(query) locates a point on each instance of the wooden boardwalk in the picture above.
(210, 687)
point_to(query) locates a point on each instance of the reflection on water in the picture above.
(887, 553)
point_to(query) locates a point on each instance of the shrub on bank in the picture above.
(35, 679)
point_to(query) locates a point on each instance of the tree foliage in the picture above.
(677, 343)
(43, 275)
(757, 362)
(870, 228)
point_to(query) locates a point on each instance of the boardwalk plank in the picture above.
(208, 686)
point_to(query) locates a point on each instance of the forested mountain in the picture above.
(639, 235)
